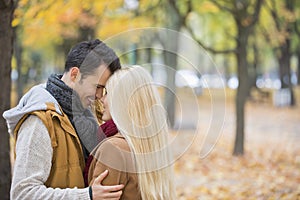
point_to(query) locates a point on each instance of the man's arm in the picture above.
(33, 164)
(113, 192)
(109, 158)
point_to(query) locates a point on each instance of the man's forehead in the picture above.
(102, 73)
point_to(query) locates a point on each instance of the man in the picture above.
(55, 130)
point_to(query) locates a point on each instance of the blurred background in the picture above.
(228, 73)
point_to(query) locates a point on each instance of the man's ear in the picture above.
(75, 74)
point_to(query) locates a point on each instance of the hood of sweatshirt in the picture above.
(35, 99)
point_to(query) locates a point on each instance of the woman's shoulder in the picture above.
(115, 153)
(117, 141)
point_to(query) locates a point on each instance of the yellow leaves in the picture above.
(32, 11)
(145, 4)
(51, 21)
(120, 24)
(86, 5)
(276, 27)
(15, 22)
(22, 3)
(115, 4)
(38, 22)
(69, 15)
(99, 7)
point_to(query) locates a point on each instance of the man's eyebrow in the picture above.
(100, 86)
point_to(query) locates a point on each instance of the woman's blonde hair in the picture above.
(138, 113)
(97, 109)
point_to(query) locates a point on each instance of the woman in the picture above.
(138, 155)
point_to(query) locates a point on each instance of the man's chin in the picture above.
(89, 103)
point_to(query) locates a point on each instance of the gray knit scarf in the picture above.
(82, 119)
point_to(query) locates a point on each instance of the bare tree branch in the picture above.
(222, 7)
(173, 4)
(268, 38)
(255, 17)
(265, 34)
(4, 3)
(274, 15)
(149, 9)
(189, 10)
(228, 35)
(296, 27)
(212, 50)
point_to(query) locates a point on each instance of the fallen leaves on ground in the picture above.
(269, 169)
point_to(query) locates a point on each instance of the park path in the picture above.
(272, 152)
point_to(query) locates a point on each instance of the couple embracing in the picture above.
(62, 152)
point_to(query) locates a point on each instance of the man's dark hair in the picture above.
(89, 55)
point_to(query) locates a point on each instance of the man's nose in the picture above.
(99, 93)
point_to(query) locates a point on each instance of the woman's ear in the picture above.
(75, 74)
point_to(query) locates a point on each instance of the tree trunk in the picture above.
(170, 56)
(18, 49)
(6, 45)
(170, 62)
(284, 64)
(244, 31)
(284, 57)
(133, 55)
(243, 88)
(149, 59)
(285, 72)
(298, 71)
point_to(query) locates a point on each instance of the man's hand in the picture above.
(101, 192)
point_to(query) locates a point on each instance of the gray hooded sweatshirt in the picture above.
(35, 99)
(34, 151)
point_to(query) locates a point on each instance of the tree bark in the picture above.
(285, 69)
(174, 22)
(284, 55)
(244, 31)
(298, 71)
(245, 20)
(18, 50)
(6, 50)
(243, 88)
